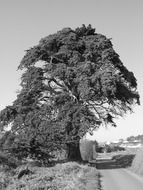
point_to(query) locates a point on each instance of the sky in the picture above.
(24, 22)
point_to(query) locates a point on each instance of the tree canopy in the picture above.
(73, 81)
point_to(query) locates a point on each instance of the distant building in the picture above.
(125, 143)
(131, 144)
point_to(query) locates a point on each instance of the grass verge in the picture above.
(66, 176)
(137, 164)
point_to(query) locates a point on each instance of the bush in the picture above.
(8, 161)
(114, 148)
(87, 150)
(21, 147)
(109, 148)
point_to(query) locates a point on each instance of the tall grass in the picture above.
(67, 176)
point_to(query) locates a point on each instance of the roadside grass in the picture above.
(137, 164)
(65, 176)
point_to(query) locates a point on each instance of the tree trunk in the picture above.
(73, 152)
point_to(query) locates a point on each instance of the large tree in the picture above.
(74, 80)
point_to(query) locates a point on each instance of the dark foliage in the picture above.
(118, 161)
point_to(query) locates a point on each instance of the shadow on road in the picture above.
(119, 161)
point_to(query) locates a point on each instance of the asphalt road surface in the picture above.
(120, 179)
(116, 176)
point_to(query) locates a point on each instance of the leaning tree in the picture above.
(73, 82)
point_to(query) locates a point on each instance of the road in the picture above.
(115, 176)
(120, 179)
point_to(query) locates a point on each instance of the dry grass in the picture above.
(66, 176)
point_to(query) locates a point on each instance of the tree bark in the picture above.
(73, 152)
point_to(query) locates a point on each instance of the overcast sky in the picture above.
(24, 22)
